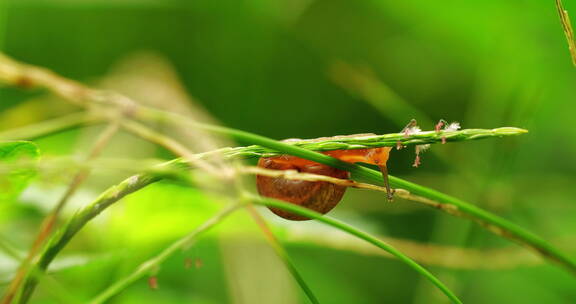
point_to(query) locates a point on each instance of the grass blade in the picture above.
(153, 263)
(361, 235)
(449, 204)
(568, 31)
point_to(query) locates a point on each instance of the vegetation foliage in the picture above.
(127, 190)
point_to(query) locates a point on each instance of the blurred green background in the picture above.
(306, 69)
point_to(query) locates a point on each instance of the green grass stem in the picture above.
(359, 234)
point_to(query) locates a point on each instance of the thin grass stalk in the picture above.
(54, 288)
(147, 267)
(568, 30)
(282, 254)
(50, 220)
(358, 233)
(51, 126)
(449, 204)
(59, 239)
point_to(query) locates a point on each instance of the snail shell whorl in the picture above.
(318, 196)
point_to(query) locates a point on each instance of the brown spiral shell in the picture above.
(318, 196)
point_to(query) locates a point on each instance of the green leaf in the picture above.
(14, 179)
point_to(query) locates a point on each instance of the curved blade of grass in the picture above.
(357, 233)
(51, 126)
(568, 31)
(60, 239)
(282, 253)
(150, 265)
(264, 145)
(449, 204)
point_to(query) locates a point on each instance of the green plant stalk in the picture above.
(362, 141)
(263, 145)
(295, 273)
(53, 287)
(282, 254)
(149, 266)
(568, 31)
(494, 223)
(48, 127)
(59, 239)
(449, 204)
(358, 233)
(51, 218)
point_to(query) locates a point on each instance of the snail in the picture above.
(315, 195)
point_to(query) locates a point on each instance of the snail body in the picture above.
(315, 195)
